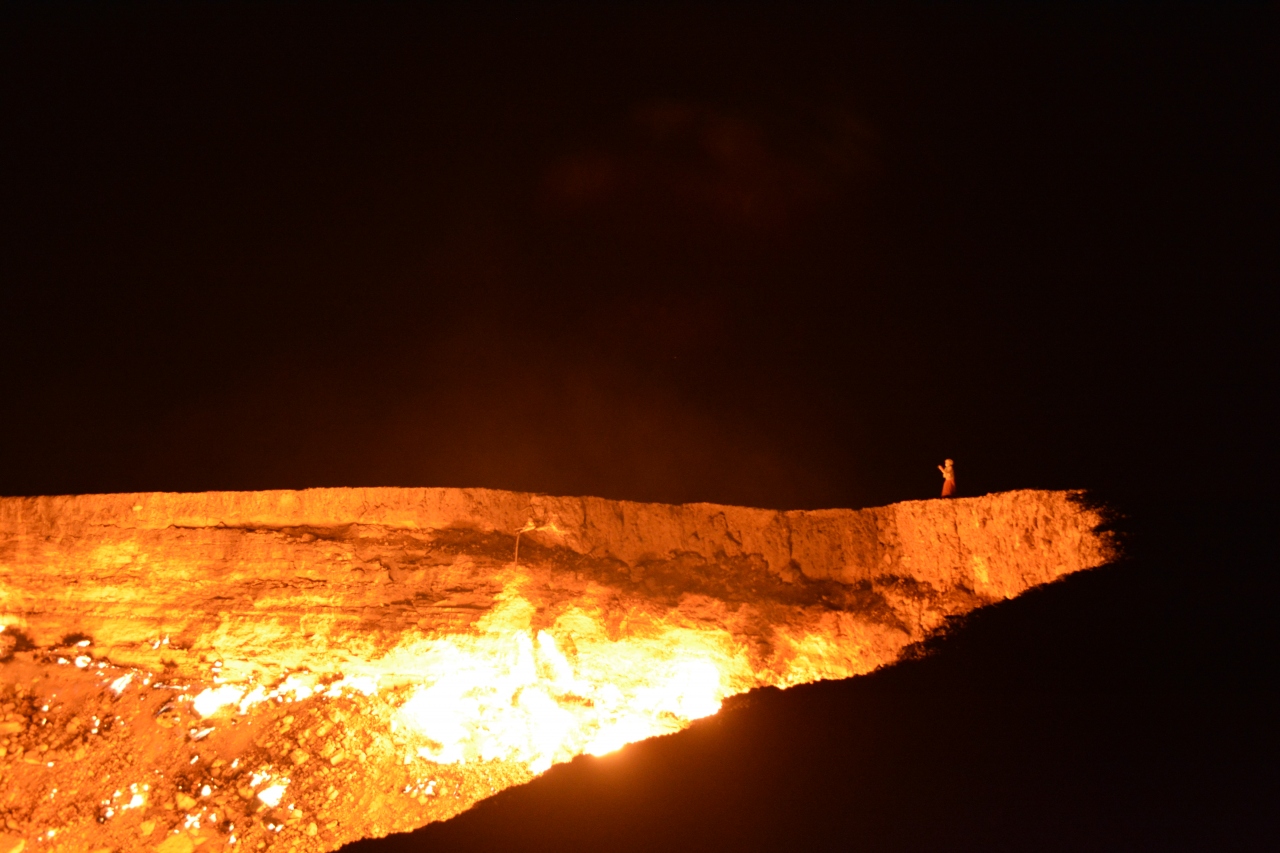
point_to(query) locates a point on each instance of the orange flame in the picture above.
(511, 693)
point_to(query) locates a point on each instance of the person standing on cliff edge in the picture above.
(948, 469)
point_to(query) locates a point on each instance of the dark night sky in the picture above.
(783, 257)
(786, 256)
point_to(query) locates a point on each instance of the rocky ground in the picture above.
(297, 670)
(88, 767)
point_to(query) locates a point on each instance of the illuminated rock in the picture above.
(326, 646)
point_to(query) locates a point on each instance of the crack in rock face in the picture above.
(298, 670)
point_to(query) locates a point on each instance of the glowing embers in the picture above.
(510, 693)
(296, 687)
(271, 794)
(123, 801)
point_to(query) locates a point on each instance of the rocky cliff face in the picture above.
(399, 627)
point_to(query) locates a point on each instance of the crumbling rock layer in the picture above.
(320, 577)
(387, 588)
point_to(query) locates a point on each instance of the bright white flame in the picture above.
(253, 697)
(121, 683)
(618, 734)
(211, 700)
(365, 684)
(272, 794)
(512, 694)
(302, 687)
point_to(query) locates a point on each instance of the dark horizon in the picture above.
(780, 257)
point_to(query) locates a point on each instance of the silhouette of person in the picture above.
(948, 469)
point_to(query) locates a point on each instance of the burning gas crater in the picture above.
(511, 694)
(297, 670)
